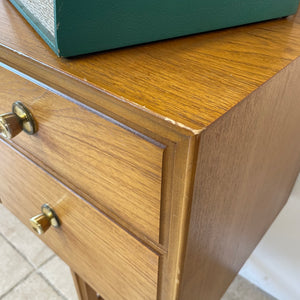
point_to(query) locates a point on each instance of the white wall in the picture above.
(274, 265)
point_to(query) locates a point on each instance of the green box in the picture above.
(73, 27)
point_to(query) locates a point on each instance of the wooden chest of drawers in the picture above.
(164, 163)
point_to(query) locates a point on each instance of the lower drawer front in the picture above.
(113, 262)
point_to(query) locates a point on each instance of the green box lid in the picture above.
(77, 27)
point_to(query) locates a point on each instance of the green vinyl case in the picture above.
(74, 27)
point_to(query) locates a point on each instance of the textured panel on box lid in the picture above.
(42, 10)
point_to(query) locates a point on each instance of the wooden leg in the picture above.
(84, 291)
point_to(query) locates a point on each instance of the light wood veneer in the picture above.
(214, 119)
(115, 264)
(252, 157)
(103, 160)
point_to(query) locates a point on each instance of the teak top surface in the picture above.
(191, 81)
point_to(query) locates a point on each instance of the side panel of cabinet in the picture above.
(247, 164)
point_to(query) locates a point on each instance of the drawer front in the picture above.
(120, 171)
(113, 262)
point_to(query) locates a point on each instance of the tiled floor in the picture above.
(241, 289)
(30, 271)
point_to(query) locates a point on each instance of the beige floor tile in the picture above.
(58, 274)
(13, 267)
(23, 239)
(242, 289)
(33, 288)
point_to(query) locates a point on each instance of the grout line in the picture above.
(35, 270)
(44, 262)
(53, 287)
(26, 277)
(19, 282)
(19, 252)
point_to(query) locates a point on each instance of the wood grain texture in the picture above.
(191, 81)
(171, 92)
(113, 262)
(247, 164)
(175, 221)
(84, 291)
(101, 159)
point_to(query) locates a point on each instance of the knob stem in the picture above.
(19, 119)
(10, 125)
(42, 222)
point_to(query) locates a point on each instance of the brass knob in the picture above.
(42, 222)
(19, 119)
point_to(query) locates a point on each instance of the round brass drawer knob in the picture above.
(19, 119)
(42, 222)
